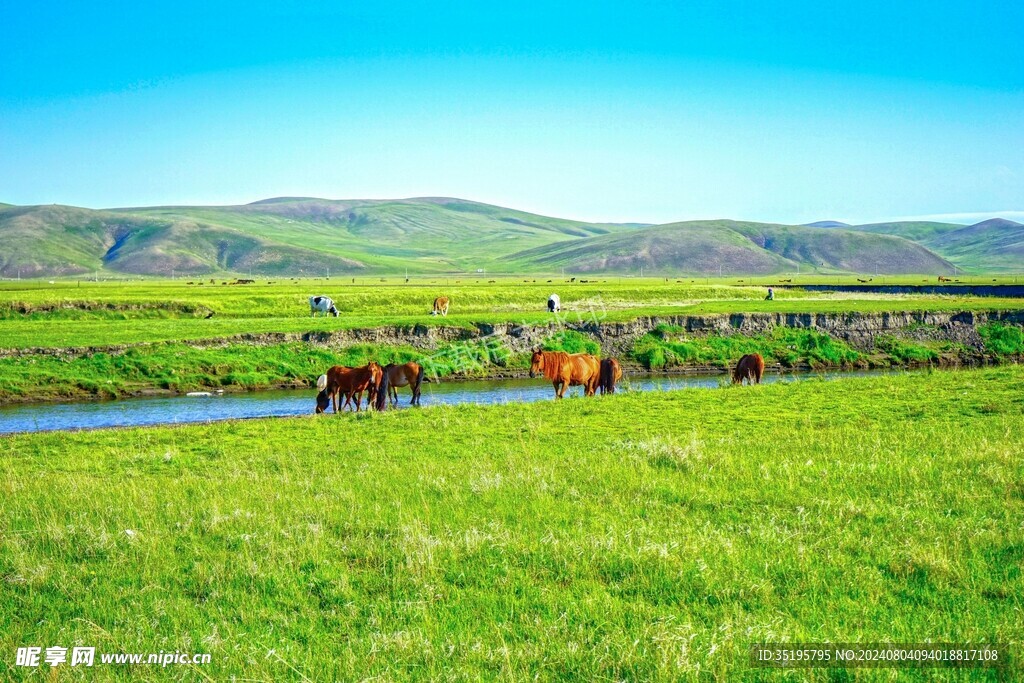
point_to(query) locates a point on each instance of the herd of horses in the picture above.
(562, 369)
(379, 383)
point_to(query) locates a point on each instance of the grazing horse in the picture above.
(350, 381)
(440, 306)
(322, 304)
(751, 367)
(406, 375)
(611, 372)
(554, 304)
(566, 370)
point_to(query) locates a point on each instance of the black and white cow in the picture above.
(554, 304)
(322, 304)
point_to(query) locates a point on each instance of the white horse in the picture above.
(322, 304)
(554, 304)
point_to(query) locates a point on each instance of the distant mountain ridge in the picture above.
(993, 245)
(827, 224)
(306, 236)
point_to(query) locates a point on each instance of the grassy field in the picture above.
(635, 537)
(69, 314)
(243, 328)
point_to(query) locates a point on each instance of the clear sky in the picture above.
(633, 111)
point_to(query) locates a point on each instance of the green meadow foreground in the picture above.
(636, 537)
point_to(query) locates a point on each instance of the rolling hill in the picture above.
(734, 248)
(308, 236)
(58, 240)
(993, 245)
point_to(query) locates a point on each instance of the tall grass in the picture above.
(666, 347)
(643, 537)
(1002, 339)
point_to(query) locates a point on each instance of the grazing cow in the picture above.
(322, 304)
(750, 367)
(554, 304)
(611, 372)
(440, 306)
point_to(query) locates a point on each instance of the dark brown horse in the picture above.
(350, 381)
(406, 375)
(751, 367)
(566, 370)
(611, 372)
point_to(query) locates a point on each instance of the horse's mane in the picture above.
(554, 361)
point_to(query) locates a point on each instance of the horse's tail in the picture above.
(321, 382)
(419, 381)
(382, 393)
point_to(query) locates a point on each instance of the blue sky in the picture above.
(639, 111)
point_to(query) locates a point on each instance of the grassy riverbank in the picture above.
(65, 315)
(179, 368)
(635, 537)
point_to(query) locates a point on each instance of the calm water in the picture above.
(181, 409)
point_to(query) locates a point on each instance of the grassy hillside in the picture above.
(62, 240)
(915, 231)
(647, 537)
(701, 247)
(995, 245)
(297, 236)
(425, 235)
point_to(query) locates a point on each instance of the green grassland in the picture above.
(158, 336)
(635, 537)
(87, 314)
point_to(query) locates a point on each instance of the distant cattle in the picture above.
(440, 306)
(554, 304)
(322, 304)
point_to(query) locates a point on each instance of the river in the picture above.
(131, 412)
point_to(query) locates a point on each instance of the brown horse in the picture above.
(566, 370)
(440, 306)
(611, 372)
(350, 381)
(751, 367)
(406, 375)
